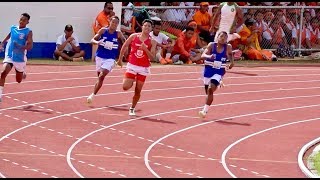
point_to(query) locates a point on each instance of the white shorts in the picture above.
(133, 69)
(216, 77)
(104, 64)
(19, 66)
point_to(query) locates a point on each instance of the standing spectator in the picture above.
(102, 20)
(202, 18)
(231, 18)
(68, 47)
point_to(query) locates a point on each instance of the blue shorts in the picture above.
(212, 75)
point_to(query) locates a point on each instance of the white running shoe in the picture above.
(90, 98)
(131, 112)
(202, 114)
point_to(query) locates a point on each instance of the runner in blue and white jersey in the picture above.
(19, 41)
(216, 55)
(108, 50)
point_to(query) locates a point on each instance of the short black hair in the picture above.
(189, 28)
(157, 23)
(249, 22)
(147, 20)
(26, 15)
(115, 17)
(108, 2)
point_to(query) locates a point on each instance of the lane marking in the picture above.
(146, 155)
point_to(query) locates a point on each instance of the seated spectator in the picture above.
(314, 33)
(183, 51)
(129, 27)
(68, 47)
(164, 44)
(259, 21)
(274, 36)
(305, 35)
(268, 17)
(202, 17)
(250, 41)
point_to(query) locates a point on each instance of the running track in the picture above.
(255, 128)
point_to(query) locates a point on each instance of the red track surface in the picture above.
(47, 130)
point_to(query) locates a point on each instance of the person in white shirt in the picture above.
(68, 47)
(164, 44)
(231, 18)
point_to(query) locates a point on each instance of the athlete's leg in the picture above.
(19, 76)
(128, 81)
(99, 83)
(6, 68)
(137, 91)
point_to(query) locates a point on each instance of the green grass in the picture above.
(248, 63)
(316, 162)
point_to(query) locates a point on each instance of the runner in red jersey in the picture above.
(143, 48)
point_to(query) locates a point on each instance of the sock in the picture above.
(206, 108)
(1, 89)
(168, 55)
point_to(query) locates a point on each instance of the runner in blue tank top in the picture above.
(108, 50)
(19, 41)
(216, 55)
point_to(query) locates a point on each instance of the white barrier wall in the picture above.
(48, 19)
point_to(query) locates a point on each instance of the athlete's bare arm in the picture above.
(125, 47)
(207, 52)
(29, 44)
(96, 37)
(4, 41)
(152, 53)
(214, 18)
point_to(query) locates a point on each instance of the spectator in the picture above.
(164, 45)
(202, 17)
(305, 35)
(250, 39)
(140, 16)
(128, 27)
(68, 47)
(183, 51)
(231, 18)
(314, 33)
(259, 21)
(102, 20)
(274, 36)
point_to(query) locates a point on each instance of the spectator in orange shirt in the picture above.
(183, 50)
(202, 17)
(102, 20)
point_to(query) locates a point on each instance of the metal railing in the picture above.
(174, 28)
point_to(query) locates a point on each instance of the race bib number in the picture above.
(108, 45)
(217, 64)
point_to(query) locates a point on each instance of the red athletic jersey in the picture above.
(137, 56)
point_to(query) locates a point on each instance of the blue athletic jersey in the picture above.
(217, 64)
(18, 39)
(109, 48)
